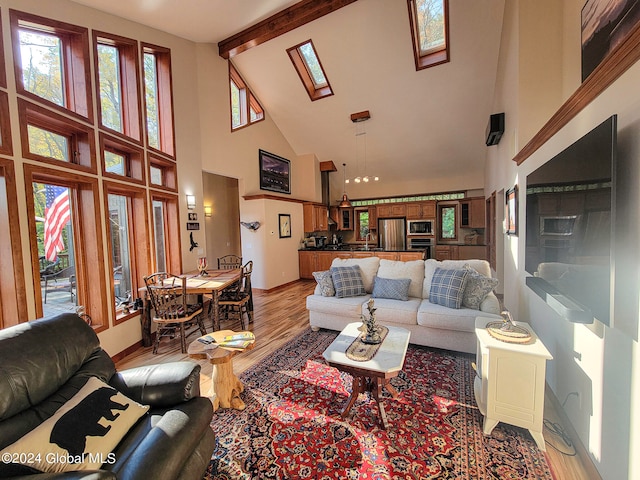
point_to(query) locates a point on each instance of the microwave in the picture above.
(420, 227)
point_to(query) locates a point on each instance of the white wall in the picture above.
(600, 362)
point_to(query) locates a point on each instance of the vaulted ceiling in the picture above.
(427, 127)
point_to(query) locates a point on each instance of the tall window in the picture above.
(245, 108)
(160, 237)
(128, 241)
(362, 224)
(54, 62)
(429, 31)
(307, 64)
(447, 222)
(118, 86)
(166, 236)
(158, 98)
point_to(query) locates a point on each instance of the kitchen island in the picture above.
(319, 260)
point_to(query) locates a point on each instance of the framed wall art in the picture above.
(275, 172)
(605, 25)
(511, 211)
(284, 225)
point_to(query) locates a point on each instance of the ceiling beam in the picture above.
(278, 24)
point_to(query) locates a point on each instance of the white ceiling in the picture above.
(427, 128)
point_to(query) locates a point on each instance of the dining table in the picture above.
(213, 282)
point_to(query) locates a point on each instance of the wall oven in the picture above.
(420, 227)
(424, 244)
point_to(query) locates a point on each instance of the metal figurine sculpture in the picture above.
(371, 336)
(508, 325)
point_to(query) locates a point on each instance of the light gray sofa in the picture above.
(430, 324)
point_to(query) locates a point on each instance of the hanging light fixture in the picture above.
(345, 203)
(358, 118)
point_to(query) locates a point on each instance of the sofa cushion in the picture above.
(477, 288)
(349, 307)
(83, 432)
(325, 282)
(438, 316)
(347, 281)
(430, 265)
(447, 287)
(395, 311)
(393, 288)
(413, 270)
(368, 268)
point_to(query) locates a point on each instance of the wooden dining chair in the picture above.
(229, 262)
(173, 315)
(238, 301)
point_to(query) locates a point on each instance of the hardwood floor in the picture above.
(281, 315)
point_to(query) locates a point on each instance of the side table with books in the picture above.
(219, 348)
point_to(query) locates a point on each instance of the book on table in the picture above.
(238, 340)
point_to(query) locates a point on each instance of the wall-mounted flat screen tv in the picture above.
(570, 206)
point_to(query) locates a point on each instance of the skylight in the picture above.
(307, 64)
(429, 31)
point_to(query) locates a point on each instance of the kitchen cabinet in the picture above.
(421, 210)
(446, 252)
(468, 252)
(373, 218)
(343, 218)
(315, 217)
(472, 213)
(307, 262)
(392, 210)
(323, 260)
(410, 256)
(510, 380)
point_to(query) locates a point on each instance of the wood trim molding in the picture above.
(278, 24)
(609, 70)
(273, 197)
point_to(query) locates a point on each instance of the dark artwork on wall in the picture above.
(275, 172)
(605, 25)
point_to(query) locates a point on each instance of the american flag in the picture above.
(56, 216)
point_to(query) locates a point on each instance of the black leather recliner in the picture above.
(43, 363)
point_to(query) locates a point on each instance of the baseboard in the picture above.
(127, 351)
(581, 451)
(279, 287)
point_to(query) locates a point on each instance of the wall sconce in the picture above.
(208, 210)
(191, 202)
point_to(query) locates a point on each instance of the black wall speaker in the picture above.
(495, 128)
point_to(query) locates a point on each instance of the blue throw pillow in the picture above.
(447, 287)
(393, 288)
(347, 281)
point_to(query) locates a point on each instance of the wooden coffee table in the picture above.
(371, 375)
(225, 385)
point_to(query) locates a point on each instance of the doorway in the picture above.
(222, 227)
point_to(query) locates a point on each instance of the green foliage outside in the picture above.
(363, 218)
(448, 222)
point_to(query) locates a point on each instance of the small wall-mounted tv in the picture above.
(569, 214)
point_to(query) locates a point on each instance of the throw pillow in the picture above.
(347, 281)
(325, 282)
(82, 434)
(477, 288)
(393, 288)
(447, 287)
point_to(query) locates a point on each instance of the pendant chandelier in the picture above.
(365, 178)
(345, 203)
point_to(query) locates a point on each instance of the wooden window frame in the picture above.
(440, 207)
(129, 84)
(13, 296)
(134, 159)
(299, 63)
(172, 244)
(356, 223)
(164, 88)
(247, 99)
(3, 71)
(6, 147)
(81, 137)
(169, 173)
(433, 58)
(75, 64)
(87, 231)
(140, 248)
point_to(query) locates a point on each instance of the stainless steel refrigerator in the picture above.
(392, 233)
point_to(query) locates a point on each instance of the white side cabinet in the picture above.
(510, 380)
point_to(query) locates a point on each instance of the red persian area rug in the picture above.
(291, 427)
